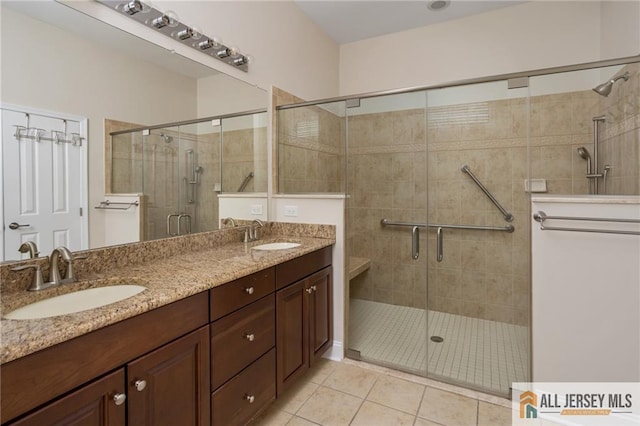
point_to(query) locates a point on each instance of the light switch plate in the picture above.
(291, 211)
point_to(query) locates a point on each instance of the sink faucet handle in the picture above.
(37, 283)
(70, 276)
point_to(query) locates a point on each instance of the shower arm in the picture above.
(507, 216)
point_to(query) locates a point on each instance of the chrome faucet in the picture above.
(54, 273)
(29, 247)
(253, 229)
(226, 221)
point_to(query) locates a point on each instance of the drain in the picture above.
(437, 339)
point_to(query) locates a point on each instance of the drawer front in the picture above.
(239, 293)
(240, 338)
(239, 400)
(300, 267)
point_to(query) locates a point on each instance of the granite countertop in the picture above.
(167, 280)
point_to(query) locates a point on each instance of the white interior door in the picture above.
(44, 185)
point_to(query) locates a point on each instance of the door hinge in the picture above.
(80, 211)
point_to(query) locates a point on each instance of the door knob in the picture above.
(140, 385)
(119, 398)
(15, 225)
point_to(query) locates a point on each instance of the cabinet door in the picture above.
(91, 405)
(320, 315)
(170, 386)
(292, 338)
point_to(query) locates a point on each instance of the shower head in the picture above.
(167, 138)
(584, 154)
(605, 88)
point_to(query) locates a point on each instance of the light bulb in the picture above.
(173, 20)
(135, 6)
(233, 51)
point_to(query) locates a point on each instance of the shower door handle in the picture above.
(187, 218)
(439, 252)
(169, 217)
(415, 242)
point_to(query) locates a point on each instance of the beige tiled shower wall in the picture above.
(244, 152)
(484, 274)
(311, 149)
(620, 135)
(387, 179)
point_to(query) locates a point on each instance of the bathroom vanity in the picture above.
(218, 356)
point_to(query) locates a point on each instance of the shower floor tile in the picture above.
(482, 354)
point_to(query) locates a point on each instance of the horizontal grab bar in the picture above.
(507, 216)
(508, 228)
(541, 216)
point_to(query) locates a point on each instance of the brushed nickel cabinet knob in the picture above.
(140, 385)
(119, 398)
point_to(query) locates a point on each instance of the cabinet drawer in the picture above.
(300, 267)
(240, 338)
(240, 399)
(236, 294)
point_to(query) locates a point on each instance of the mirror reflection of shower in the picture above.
(193, 179)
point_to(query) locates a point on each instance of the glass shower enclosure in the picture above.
(439, 184)
(180, 169)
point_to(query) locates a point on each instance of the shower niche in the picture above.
(180, 169)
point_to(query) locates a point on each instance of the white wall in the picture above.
(528, 36)
(620, 29)
(49, 68)
(326, 210)
(290, 51)
(237, 95)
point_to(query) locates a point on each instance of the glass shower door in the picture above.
(479, 279)
(387, 179)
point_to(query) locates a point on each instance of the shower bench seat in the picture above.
(358, 265)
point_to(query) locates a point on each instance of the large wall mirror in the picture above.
(66, 74)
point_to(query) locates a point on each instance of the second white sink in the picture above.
(276, 246)
(75, 302)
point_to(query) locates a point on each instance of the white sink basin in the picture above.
(75, 302)
(276, 246)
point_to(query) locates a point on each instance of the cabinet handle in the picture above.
(308, 290)
(249, 290)
(249, 398)
(140, 385)
(250, 337)
(119, 398)
(313, 287)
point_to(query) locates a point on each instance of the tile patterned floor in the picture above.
(484, 354)
(345, 393)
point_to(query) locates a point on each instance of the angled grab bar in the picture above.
(245, 182)
(507, 216)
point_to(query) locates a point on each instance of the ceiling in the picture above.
(348, 21)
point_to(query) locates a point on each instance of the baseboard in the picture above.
(335, 352)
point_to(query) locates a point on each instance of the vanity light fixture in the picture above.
(188, 33)
(135, 6)
(170, 19)
(168, 24)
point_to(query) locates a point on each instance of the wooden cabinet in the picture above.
(303, 315)
(101, 403)
(170, 386)
(160, 345)
(240, 399)
(242, 348)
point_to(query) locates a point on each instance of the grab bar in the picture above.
(507, 216)
(541, 216)
(415, 234)
(508, 228)
(245, 182)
